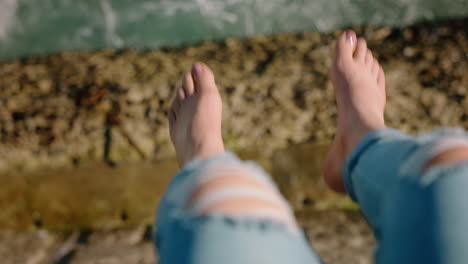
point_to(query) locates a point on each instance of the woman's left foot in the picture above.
(195, 116)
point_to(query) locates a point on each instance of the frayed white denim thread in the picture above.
(233, 168)
(229, 167)
(231, 193)
(243, 169)
(446, 144)
(272, 214)
(227, 164)
(433, 144)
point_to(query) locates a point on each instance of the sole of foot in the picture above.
(359, 83)
(195, 116)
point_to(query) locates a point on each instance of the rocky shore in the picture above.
(78, 108)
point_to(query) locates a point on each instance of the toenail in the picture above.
(351, 37)
(197, 68)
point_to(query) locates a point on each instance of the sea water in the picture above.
(37, 27)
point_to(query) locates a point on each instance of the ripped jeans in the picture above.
(416, 216)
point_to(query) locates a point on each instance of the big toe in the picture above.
(203, 77)
(345, 45)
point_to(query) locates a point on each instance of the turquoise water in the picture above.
(37, 27)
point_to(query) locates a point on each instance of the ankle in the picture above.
(209, 149)
(358, 134)
(351, 132)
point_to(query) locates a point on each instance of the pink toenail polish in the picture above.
(351, 37)
(197, 68)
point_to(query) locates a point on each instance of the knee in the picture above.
(239, 193)
(448, 152)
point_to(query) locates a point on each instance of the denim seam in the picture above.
(189, 221)
(434, 173)
(353, 160)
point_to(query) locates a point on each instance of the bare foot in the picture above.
(359, 84)
(195, 116)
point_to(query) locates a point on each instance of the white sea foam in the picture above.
(7, 16)
(156, 23)
(110, 19)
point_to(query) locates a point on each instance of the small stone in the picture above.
(45, 85)
(410, 51)
(380, 34)
(134, 95)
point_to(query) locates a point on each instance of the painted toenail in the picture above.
(351, 37)
(197, 68)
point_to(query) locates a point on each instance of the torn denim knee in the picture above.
(431, 145)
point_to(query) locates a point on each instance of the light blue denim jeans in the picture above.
(417, 217)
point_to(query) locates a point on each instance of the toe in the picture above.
(381, 78)
(176, 103)
(375, 68)
(180, 94)
(187, 84)
(172, 122)
(361, 50)
(172, 113)
(345, 45)
(369, 59)
(171, 117)
(203, 77)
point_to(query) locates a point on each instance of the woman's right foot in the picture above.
(359, 84)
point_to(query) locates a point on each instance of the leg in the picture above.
(219, 209)
(356, 76)
(411, 189)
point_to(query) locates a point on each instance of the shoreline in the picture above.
(70, 109)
